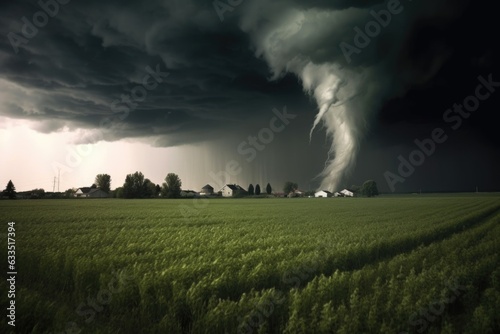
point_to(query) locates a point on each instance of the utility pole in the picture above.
(54, 185)
(58, 179)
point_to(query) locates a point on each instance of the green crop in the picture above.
(342, 265)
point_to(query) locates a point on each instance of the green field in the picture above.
(416, 264)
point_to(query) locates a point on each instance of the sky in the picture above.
(327, 94)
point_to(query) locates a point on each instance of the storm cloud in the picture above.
(92, 68)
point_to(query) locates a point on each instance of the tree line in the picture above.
(137, 186)
(256, 191)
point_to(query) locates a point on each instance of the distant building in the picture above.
(88, 192)
(347, 193)
(337, 194)
(230, 190)
(323, 193)
(299, 193)
(207, 190)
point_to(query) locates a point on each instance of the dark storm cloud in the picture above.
(93, 53)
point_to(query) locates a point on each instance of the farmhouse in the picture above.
(88, 192)
(207, 190)
(347, 193)
(230, 190)
(323, 193)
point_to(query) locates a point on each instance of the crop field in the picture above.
(398, 264)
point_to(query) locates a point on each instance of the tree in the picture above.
(250, 190)
(310, 193)
(37, 193)
(134, 185)
(369, 188)
(103, 182)
(118, 193)
(269, 190)
(355, 189)
(257, 189)
(10, 190)
(172, 186)
(70, 192)
(149, 189)
(157, 190)
(290, 187)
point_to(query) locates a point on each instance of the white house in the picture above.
(229, 190)
(337, 194)
(347, 193)
(87, 192)
(323, 193)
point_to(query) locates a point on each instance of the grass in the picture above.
(256, 265)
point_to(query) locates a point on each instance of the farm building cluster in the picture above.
(342, 193)
(228, 190)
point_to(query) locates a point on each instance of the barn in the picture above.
(207, 190)
(347, 193)
(230, 190)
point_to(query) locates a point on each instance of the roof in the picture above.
(233, 187)
(326, 191)
(88, 190)
(208, 187)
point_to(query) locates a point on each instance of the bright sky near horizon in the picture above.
(37, 157)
